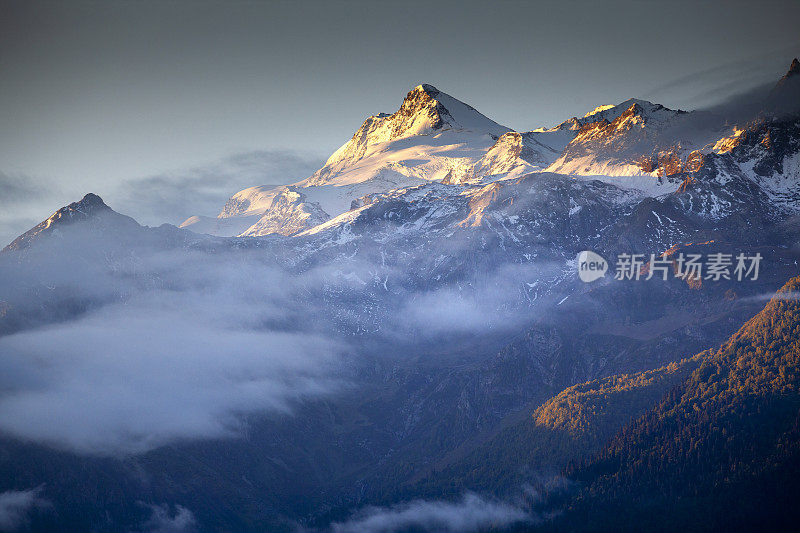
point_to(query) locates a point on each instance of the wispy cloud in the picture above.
(165, 520)
(18, 188)
(24, 202)
(16, 507)
(713, 86)
(472, 513)
(169, 197)
(767, 296)
(174, 196)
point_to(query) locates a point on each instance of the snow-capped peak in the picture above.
(425, 111)
(611, 112)
(453, 112)
(631, 106)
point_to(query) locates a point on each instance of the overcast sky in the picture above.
(94, 94)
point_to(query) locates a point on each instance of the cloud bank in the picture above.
(132, 378)
(175, 344)
(117, 339)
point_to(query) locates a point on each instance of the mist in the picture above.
(161, 346)
(138, 376)
(117, 339)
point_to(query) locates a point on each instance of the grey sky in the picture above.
(97, 93)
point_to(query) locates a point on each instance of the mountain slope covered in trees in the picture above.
(721, 450)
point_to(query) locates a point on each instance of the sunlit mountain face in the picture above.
(449, 326)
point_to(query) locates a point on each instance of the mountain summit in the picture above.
(431, 137)
(446, 111)
(90, 208)
(784, 99)
(794, 70)
(425, 111)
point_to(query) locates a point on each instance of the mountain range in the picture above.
(433, 137)
(425, 334)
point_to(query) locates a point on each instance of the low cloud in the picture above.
(120, 339)
(16, 507)
(132, 378)
(501, 299)
(165, 520)
(177, 345)
(472, 513)
(790, 296)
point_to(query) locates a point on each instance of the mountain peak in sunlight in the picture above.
(425, 114)
(426, 108)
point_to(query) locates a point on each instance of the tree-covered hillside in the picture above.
(720, 451)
